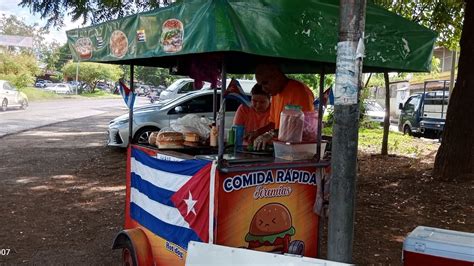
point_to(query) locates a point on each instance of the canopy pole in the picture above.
(350, 51)
(320, 113)
(220, 143)
(130, 110)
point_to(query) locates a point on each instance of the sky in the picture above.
(10, 7)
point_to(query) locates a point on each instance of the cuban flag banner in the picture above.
(235, 91)
(328, 97)
(127, 94)
(171, 198)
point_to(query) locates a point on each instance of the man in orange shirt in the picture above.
(284, 91)
(255, 117)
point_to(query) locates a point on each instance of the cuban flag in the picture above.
(171, 198)
(235, 91)
(328, 97)
(127, 94)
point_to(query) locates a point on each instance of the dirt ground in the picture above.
(62, 195)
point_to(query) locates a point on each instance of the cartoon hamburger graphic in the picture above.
(172, 36)
(271, 229)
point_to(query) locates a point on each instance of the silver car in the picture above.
(11, 97)
(154, 117)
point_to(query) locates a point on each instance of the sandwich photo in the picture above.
(118, 44)
(83, 47)
(172, 36)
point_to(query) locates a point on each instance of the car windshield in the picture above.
(373, 106)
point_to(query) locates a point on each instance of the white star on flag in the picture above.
(190, 203)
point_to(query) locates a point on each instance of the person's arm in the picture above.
(254, 134)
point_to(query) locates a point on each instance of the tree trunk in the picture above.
(386, 121)
(455, 157)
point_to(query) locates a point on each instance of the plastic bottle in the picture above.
(213, 137)
(291, 124)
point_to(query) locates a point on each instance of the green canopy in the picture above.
(301, 35)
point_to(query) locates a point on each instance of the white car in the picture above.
(374, 111)
(182, 86)
(59, 88)
(11, 97)
(154, 117)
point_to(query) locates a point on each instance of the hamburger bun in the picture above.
(270, 219)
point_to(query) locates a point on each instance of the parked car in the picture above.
(41, 83)
(59, 88)
(154, 117)
(11, 97)
(185, 85)
(374, 111)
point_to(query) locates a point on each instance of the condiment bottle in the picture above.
(213, 137)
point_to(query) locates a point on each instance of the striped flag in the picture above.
(171, 198)
(235, 91)
(127, 94)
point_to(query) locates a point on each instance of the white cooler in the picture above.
(434, 246)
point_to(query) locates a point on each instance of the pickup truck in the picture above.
(424, 114)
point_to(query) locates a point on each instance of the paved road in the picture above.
(45, 113)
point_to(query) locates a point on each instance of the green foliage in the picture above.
(312, 80)
(93, 11)
(12, 25)
(92, 73)
(154, 75)
(443, 16)
(19, 69)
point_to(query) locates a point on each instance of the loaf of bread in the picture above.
(191, 137)
(170, 140)
(152, 138)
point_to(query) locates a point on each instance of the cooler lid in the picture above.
(441, 242)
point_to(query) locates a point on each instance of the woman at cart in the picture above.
(256, 116)
(284, 91)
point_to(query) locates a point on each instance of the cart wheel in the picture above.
(128, 254)
(296, 247)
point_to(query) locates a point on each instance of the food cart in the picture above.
(206, 194)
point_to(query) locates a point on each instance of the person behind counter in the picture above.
(284, 91)
(255, 117)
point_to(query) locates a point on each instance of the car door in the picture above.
(200, 105)
(410, 112)
(11, 93)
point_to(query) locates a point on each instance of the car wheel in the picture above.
(24, 104)
(407, 130)
(141, 137)
(4, 105)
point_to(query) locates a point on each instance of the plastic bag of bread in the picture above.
(169, 139)
(192, 123)
(291, 124)
(310, 128)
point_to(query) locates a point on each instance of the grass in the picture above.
(370, 140)
(35, 94)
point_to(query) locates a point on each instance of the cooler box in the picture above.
(433, 246)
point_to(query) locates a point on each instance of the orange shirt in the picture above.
(250, 119)
(294, 93)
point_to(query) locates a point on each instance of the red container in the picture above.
(433, 246)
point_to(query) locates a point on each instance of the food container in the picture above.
(239, 137)
(291, 124)
(435, 246)
(297, 151)
(310, 127)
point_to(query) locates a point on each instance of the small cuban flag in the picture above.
(328, 97)
(235, 91)
(171, 198)
(127, 94)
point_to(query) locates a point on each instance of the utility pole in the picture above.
(77, 74)
(350, 52)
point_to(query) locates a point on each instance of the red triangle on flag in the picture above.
(192, 201)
